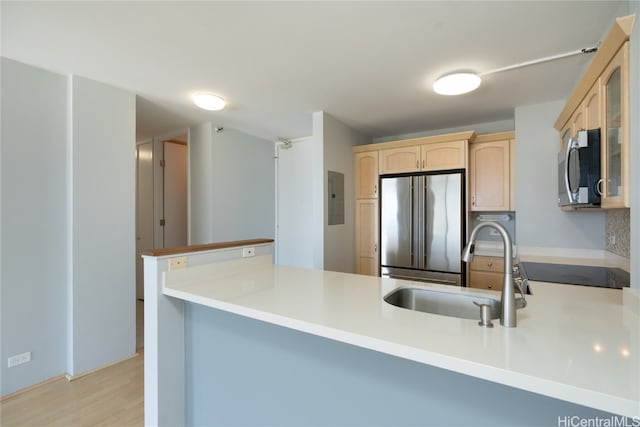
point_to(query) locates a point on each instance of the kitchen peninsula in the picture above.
(234, 339)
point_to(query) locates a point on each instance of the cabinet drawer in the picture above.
(486, 263)
(485, 280)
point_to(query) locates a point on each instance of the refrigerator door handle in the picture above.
(411, 189)
(427, 229)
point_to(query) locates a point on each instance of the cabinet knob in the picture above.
(489, 286)
(423, 164)
(375, 189)
(417, 164)
(375, 248)
(489, 264)
(473, 200)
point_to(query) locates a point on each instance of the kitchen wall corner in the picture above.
(618, 239)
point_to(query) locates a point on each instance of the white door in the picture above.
(175, 194)
(144, 209)
(295, 204)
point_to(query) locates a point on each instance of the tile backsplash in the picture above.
(618, 234)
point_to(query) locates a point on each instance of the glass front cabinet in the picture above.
(615, 131)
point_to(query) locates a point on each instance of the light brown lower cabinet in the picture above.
(485, 280)
(367, 236)
(486, 273)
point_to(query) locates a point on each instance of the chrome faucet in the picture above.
(508, 297)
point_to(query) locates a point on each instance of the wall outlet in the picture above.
(177, 263)
(248, 252)
(19, 359)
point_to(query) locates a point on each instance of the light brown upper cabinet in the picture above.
(366, 175)
(400, 160)
(577, 120)
(592, 107)
(443, 156)
(601, 100)
(565, 135)
(615, 132)
(490, 173)
(426, 157)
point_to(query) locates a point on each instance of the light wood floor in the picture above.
(113, 396)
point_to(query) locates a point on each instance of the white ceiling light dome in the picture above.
(457, 83)
(208, 101)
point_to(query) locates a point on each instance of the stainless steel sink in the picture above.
(441, 302)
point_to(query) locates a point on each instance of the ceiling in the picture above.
(369, 64)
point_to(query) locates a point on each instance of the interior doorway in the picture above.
(161, 204)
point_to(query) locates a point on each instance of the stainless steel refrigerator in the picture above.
(422, 227)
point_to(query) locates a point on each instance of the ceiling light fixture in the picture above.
(457, 83)
(460, 83)
(208, 101)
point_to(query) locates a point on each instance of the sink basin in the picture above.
(441, 302)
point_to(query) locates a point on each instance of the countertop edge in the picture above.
(546, 387)
(204, 247)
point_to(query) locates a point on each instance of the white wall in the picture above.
(338, 140)
(232, 185)
(33, 223)
(634, 113)
(200, 184)
(296, 186)
(540, 222)
(102, 201)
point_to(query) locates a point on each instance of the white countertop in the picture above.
(573, 343)
(591, 257)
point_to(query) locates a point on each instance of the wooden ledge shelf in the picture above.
(206, 247)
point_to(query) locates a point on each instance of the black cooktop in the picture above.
(585, 275)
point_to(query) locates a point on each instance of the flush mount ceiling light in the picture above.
(208, 101)
(459, 83)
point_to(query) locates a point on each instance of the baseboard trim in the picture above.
(91, 371)
(31, 387)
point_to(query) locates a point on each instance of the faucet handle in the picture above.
(519, 282)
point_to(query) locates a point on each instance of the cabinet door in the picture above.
(485, 280)
(489, 176)
(577, 120)
(367, 237)
(565, 136)
(443, 156)
(399, 160)
(366, 175)
(592, 107)
(488, 263)
(615, 132)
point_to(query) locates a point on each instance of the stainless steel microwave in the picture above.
(579, 181)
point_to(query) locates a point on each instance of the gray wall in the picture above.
(241, 371)
(232, 185)
(200, 204)
(102, 201)
(68, 278)
(339, 240)
(634, 62)
(540, 222)
(480, 128)
(33, 243)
